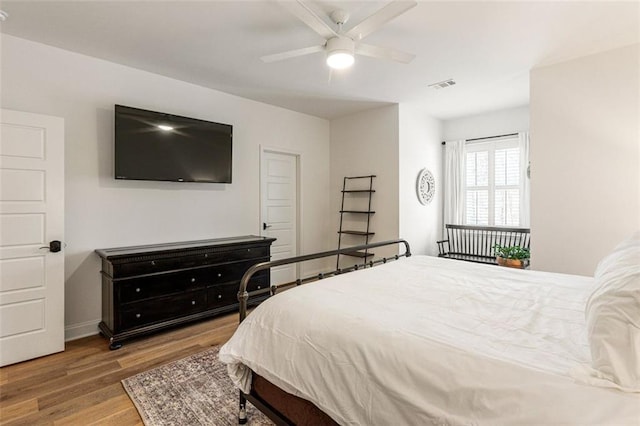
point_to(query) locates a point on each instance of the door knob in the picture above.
(54, 246)
(265, 226)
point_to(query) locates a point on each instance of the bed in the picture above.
(426, 340)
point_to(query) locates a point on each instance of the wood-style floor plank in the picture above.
(20, 409)
(95, 413)
(128, 416)
(70, 407)
(82, 384)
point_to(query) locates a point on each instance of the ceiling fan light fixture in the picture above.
(340, 52)
(340, 60)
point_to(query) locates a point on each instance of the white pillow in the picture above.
(613, 316)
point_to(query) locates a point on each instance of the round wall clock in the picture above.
(425, 186)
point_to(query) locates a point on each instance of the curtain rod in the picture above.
(487, 137)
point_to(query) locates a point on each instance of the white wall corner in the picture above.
(362, 144)
(419, 147)
(80, 330)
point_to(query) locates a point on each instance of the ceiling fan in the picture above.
(340, 45)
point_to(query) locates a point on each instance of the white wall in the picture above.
(502, 122)
(585, 159)
(101, 212)
(363, 144)
(419, 147)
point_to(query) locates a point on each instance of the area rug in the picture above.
(192, 391)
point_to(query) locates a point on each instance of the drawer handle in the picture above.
(193, 302)
(193, 280)
(248, 250)
(137, 315)
(206, 255)
(219, 296)
(153, 262)
(219, 275)
(137, 289)
(259, 287)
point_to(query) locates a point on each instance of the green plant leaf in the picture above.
(511, 252)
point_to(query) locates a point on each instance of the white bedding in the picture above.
(425, 340)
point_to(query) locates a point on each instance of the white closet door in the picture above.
(279, 188)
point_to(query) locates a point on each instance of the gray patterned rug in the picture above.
(192, 391)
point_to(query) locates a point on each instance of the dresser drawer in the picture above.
(151, 311)
(229, 272)
(260, 281)
(222, 295)
(123, 270)
(162, 264)
(225, 294)
(143, 288)
(250, 253)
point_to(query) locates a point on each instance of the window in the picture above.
(493, 183)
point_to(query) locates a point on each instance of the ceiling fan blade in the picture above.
(384, 53)
(303, 12)
(292, 53)
(379, 18)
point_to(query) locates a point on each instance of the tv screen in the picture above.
(156, 146)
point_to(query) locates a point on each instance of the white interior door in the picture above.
(279, 209)
(31, 216)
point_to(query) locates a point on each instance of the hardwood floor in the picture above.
(81, 386)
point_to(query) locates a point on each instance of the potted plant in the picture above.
(512, 256)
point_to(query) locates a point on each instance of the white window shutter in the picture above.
(493, 183)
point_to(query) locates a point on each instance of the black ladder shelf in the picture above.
(349, 185)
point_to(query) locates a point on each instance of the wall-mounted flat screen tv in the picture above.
(157, 146)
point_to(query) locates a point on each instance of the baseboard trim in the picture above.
(83, 329)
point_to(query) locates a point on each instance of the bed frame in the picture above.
(281, 407)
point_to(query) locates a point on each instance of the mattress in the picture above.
(426, 340)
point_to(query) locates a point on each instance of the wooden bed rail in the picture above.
(243, 295)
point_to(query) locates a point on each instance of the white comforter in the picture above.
(425, 340)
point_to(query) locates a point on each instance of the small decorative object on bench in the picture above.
(476, 243)
(512, 256)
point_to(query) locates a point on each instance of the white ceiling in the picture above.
(487, 47)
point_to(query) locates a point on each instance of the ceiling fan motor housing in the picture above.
(340, 44)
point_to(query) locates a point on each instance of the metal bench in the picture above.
(475, 243)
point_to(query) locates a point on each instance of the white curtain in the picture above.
(525, 217)
(454, 182)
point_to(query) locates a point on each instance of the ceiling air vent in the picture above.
(443, 84)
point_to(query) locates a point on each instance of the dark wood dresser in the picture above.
(149, 288)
